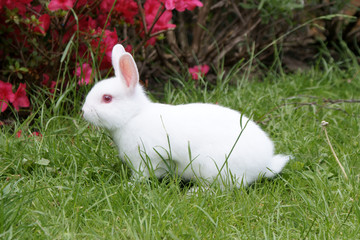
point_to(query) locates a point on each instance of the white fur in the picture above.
(195, 138)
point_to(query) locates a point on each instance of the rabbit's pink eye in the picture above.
(107, 98)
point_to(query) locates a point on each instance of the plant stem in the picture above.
(324, 124)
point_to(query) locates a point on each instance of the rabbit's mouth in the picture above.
(90, 115)
(93, 117)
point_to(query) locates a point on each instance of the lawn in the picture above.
(70, 184)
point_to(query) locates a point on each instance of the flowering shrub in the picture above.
(48, 43)
(39, 36)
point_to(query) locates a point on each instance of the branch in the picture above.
(237, 12)
(148, 33)
(236, 40)
(198, 28)
(142, 14)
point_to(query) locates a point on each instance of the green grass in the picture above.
(70, 184)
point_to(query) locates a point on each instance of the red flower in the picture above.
(19, 4)
(60, 4)
(37, 8)
(45, 79)
(36, 134)
(44, 21)
(129, 48)
(20, 99)
(101, 20)
(52, 86)
(200, 70)
(85, 73)
(33, 134)
(85, 23)
(6, 95)
(18, 134)
(90, 24)
(106, 5)
(127, 9)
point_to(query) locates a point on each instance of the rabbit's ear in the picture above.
(128, 70)
(117, 51)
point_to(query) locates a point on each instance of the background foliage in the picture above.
(49, 45)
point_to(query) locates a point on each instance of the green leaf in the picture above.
(23, 69)
(67, 48)
(20, 76)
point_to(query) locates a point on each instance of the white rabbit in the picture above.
(200, 140)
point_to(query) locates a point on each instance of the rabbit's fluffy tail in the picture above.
(278, 162)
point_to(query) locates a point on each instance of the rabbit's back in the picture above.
(203, 134)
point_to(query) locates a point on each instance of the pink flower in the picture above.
(169, 4)
(20, 99)
(60, 4)
(199, 70)
(85, 73)
(152, 8)
(6, 95)
(181, 5)
(44, 21)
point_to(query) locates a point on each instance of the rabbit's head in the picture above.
(114, 101)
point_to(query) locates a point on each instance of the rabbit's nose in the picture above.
(84, 110)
